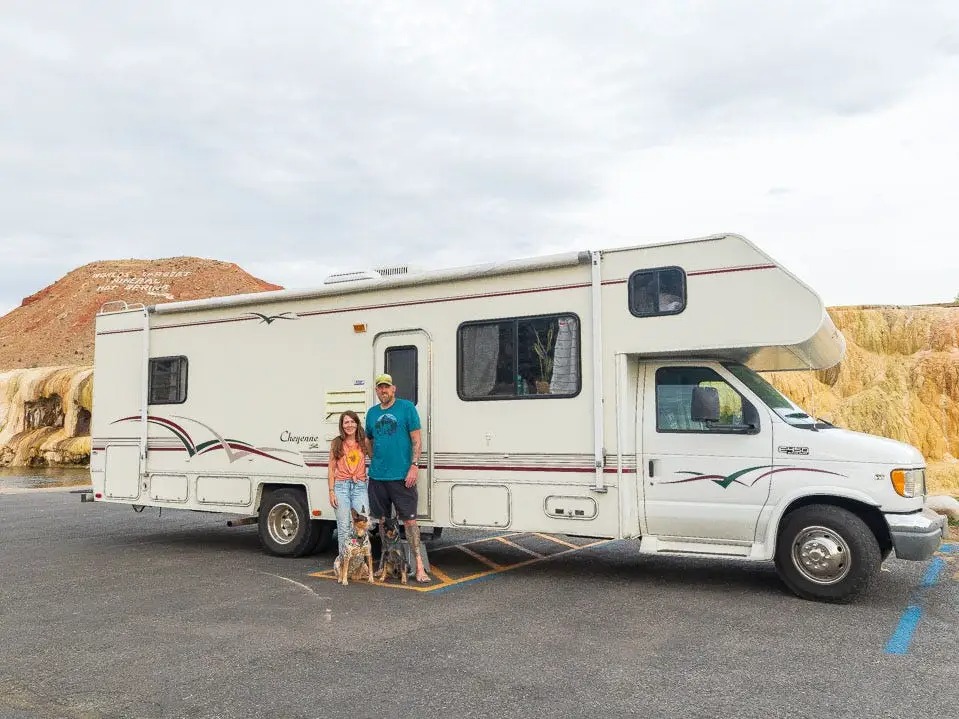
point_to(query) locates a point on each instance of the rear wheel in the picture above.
(284, 526)
(826, 553)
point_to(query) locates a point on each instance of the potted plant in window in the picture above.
(543, 348)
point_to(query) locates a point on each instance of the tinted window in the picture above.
(400, 363)
(657, 292)
(168, 376)
(521, 357)
(674, 401)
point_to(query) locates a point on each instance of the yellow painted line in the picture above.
(558, 541)
(472, 541)
(516, 546)
(447, 581)
(488, 562)
(437, 572)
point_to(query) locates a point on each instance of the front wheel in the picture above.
(284, 526)
(826, 553)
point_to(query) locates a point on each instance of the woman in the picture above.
(347, 474)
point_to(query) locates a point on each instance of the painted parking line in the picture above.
(471, 561)
(902, 636)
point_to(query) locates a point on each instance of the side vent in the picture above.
(396, 270)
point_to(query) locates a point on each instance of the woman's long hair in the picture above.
(336, 446)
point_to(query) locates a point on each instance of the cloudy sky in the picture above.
(300, 138)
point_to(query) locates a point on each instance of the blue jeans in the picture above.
(350, 494)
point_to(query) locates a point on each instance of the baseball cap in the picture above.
(383, 379)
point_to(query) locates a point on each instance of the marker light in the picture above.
(909, 482)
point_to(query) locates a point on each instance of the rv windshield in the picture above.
(779, 403)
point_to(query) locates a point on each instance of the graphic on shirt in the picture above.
(353, 459)
(386, 425)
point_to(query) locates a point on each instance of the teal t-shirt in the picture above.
(390, 431)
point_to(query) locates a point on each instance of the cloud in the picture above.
(299, 137)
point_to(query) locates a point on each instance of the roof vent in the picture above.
(338, 277)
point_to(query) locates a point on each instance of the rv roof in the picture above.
(428, 277)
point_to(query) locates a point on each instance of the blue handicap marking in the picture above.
(902, 637)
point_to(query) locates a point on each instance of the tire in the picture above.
(826, 553)
(284, 526)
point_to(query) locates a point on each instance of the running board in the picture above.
(702, 547)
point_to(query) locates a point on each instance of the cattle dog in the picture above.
(357, 560)
(392, 557)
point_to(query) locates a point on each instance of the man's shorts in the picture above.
(383, 494)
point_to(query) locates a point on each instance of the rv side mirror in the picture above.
(705, 404)
(750, 416)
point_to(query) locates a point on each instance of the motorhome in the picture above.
(608, 393)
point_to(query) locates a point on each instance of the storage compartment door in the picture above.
(122, 475)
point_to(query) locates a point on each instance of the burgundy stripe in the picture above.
(119, 332)
(481, 295)
(746, 268)
(509, 468)
(515, 468)
(206, 322)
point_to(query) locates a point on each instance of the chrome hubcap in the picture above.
(821, 555)
(283, 523)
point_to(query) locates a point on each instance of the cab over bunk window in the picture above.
(168, 380)
(657, 292)
(519, 358)
(682, 398)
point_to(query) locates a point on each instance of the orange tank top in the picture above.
(352, 465)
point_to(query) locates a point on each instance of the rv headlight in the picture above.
(909, 482)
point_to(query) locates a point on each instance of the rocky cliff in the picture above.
(899, 379)
(45, 416)
(55, 325)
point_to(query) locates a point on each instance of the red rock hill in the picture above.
(55, 325)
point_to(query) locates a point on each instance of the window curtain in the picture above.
(565, 378)
(480, 350)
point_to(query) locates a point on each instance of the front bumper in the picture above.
(916, 536)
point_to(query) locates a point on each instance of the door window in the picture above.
(674, 402)
(400, 363)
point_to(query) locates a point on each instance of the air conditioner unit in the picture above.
(338, 277)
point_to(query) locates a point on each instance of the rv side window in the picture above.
(521, 357)
(674, 402)
(657, 292)
(168, 380)
(400, 364)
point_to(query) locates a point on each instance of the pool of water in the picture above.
(41, 477)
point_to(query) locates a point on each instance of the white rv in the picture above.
(602, 394)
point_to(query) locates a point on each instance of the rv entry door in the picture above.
(407, 356)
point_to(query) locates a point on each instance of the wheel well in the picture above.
(868, 514)
(268, 487)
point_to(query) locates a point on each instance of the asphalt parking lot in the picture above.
(108, 613)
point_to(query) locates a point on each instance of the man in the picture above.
(393, 427)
